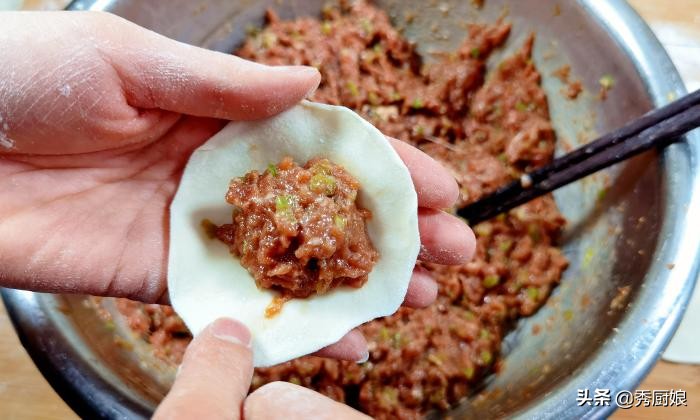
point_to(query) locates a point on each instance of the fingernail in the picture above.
(301, 70)
(311, 91)
(227, 329)
(364, 358)
(296, 69)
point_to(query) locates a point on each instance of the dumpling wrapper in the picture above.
(206, 281)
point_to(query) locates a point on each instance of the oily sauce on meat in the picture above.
(275, 306)
(488, 129)
(299, 230)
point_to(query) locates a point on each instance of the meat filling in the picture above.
(299, 230)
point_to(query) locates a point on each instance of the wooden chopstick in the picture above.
(656, 129)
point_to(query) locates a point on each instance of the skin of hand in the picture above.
(213, 381)
(98, 117)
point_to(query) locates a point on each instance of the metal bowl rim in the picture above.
(91, 396)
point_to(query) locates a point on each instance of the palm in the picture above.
(93, 140)
(98, 224)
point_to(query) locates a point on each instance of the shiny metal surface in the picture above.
(629, 238)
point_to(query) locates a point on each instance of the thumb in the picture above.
(282, 400)
(214, 377)
(159, 72)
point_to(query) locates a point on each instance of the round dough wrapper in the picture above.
(205, 281)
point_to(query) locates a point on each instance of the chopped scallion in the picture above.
(486, 357)
(521, 106)
(435, 359)
(352, 87)
(491, 281)
(322, 183)
(607, 81)
(326, 28)
(339, 221)
(272, 169)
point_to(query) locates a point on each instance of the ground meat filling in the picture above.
(298, 229)
(488, 128)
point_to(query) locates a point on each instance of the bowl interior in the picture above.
(615, 218)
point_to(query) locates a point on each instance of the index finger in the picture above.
(436, 188)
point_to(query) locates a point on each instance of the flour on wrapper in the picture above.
(205, 281)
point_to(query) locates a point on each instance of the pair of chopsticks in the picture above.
(656, 129)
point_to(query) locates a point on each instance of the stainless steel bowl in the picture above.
(642, 234)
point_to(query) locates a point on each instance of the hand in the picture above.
(214, 378)
(98, 118)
